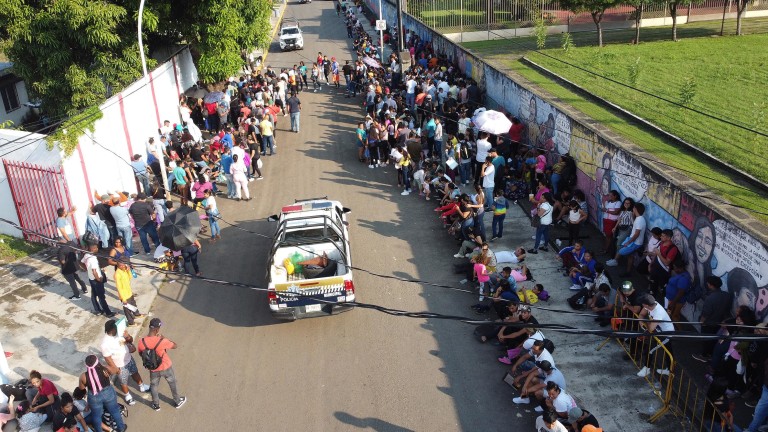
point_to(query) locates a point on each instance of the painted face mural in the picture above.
(704, 243)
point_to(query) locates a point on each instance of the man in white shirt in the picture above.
(118, 357)
(548, 422)
(410, 93)
(633, 242)
(489, 171)
(483, 147)
(660, 321)
(96, 279)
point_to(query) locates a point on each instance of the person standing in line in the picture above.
(123, 278)
(544, 211)
(488, 175)
(157, 342)
(316, 78)
(212, 211)
(68, 261)
(122, 223)
(116, 353)
(240, 177)
(611, 210)
(182, 181)
(96, 279)
(267, 135)
(140, 172)
(64, 227)
(102, 209)
(303, 73)
(143, 214)
(101, 394)
(294, 108)
(189, 253)
(226, 164)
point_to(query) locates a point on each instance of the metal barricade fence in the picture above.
(672, 385)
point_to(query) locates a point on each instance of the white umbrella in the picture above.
(492, 122)
(370, 61)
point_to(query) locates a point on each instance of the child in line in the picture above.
(480, 262)
(425, 189)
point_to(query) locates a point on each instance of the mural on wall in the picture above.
(709, 244)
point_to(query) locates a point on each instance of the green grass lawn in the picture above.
(729, 75)
(12, 248)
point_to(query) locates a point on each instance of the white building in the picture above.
(13, 94)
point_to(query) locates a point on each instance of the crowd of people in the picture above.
(93, 405)
(419, 122)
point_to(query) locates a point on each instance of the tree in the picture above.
(596, 8)
(673, 6)
(673, 13)
(217, 31)
(741, 7)
(70, 53)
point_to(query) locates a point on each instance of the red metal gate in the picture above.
(37, 193)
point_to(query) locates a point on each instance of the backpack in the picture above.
(149, 357)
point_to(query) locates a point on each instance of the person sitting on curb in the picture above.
(526, 363)
(579, 419)
(512, 337)
(548, 422)
(583, 272)
(536, 382)
(634, 242)
(559, 401)
(572, 256)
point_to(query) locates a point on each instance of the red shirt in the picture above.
(161, 350)
(516, 132)
(47, 388)
(669, 252)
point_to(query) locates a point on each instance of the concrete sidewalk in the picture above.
(46, 331)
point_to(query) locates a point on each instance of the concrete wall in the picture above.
(101, 161)
(714, 239)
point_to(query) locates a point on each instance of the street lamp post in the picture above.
(161, 158)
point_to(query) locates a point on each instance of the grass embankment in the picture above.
(721, 76)
(12, 248)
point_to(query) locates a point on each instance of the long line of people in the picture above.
(421, 126)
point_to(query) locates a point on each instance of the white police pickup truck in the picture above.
(309, 268)
(291, 36)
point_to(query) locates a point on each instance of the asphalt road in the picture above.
(363, 369)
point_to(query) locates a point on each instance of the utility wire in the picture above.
(423, 314)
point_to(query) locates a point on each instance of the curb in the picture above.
(272, 37)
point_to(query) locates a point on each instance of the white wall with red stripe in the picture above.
(100, 164)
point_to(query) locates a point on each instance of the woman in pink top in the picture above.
(199, 188)
(481, 272)
(541, 162)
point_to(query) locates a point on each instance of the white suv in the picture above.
(290, 36)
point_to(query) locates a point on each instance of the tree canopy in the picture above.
(73, 54)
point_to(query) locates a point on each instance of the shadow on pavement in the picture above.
(365, 423)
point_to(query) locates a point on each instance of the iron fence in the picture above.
(462, 16)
